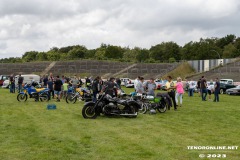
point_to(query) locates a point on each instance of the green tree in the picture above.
(114, 52)
(30, 56)
(143, 55)
(41, 56)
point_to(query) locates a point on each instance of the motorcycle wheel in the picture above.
(132, 110)
(162, 107)
(88, 112)
(44, 97)
(71, 98)
(21, 97)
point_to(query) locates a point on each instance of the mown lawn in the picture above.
(29, 131)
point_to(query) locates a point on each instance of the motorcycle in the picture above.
(82, 94)
(37, 93)
(151, 103)
(109, 106)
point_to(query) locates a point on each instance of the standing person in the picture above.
(136, 82)
(80, 82)
(203, 87)
(50, 87)
(58, 88)
(199, 87)
(139, 87)
(88, 83)
(179, 91)
(118, 81)
(216, 90)
(65, 88)
(191, 88)
(150, 86)
(74, 82)
(12, 83)
(20, 83)
(96, 88)
(45, 80)
(51, 77)
(210, 89)
(170, 86)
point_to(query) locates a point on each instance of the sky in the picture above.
(38, 25)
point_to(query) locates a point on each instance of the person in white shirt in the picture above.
(191, 88)
(136, 81)
(210, 89)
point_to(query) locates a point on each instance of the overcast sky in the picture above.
(38, 25)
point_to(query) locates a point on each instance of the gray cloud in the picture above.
(41, 24)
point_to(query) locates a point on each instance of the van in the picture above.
(27, 78)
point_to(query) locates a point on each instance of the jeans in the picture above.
(216, 95)
(95, 96)
(180, 96)
(12, 87)
(19, 87)
(190, 92)
(204, 93)
(172, 95)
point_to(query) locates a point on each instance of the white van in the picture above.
(27, 78)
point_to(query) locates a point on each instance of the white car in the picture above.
(129, 83)
(5, 84)
(123, 80)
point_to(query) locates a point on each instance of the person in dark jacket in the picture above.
(96, 88)
(216, 90)
(20, 83)
(110, 87)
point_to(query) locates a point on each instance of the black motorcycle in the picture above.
(109, 106)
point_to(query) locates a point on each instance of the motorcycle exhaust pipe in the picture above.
(129, 114)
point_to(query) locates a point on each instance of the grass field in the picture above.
(29, 131)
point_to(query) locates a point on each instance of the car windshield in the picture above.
(224, 81)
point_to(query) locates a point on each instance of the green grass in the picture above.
(29, 131)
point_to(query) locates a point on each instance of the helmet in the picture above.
(152, 111)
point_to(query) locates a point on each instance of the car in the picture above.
(3, 78)
(160, 83)
(129, 83)
(233, 91)
(123, 80)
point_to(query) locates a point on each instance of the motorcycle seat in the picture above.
(121, 101)
(39, 89)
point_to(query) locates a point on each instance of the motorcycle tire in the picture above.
(71, 98)
(132, 110)
(44, 97)
(21, 97)
(162, 107)
(88, 112)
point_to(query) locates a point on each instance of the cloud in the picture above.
(41, 24)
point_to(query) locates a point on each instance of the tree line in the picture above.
(209, 48)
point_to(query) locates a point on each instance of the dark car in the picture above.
(233, 91)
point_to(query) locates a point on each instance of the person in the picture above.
(58, 88)
(63, 79)
(118, 81)
(12, 83)
(170, 86)
(45, 80)
(179, 91)
(210, 89)
(20, 83)
(191, 88)
(88, 83)
(65, 88)
(96, 88)
(51, 77)
(139, 88)
(80, 82)
(216, 90)
(203, 87)
(136, 82)
(198, 87)
(150, 86)
(110, 86)
(50, 87)
(74, 82)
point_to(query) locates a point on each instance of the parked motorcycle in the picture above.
(82, 94)
(151, 103)
(32, 92)
(110, 106)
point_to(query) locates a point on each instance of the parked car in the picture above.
(129, 83)
(123, 80)
(226, 84)
(160, 83)
(3, 78)
(233, 91)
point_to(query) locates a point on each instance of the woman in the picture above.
(179, 91)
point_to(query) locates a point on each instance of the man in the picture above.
(58, 88)
(110, 87)
(12, 83)
(216, 90)
(191, 88)
(88, 83)
(74, 82)
(150, 86)
(171, 87)
(136, 82)
(20, 83)
(198, 87)
(210, 89)
(203, 88)
(139, 88)
(118, 81)
(96, 88)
